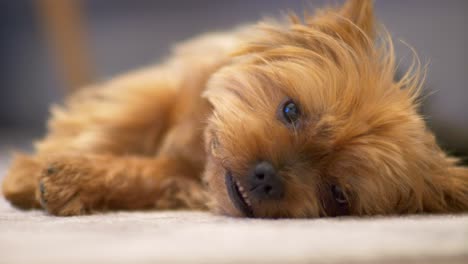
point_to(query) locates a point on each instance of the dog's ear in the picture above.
(445, 186)
(350, 20)
(456, 189)
(361, 13)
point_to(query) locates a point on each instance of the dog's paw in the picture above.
(59, 187)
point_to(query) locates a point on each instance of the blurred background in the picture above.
(51, 47)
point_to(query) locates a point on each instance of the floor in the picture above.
(196, 237)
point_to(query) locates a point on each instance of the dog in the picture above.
(300, 119)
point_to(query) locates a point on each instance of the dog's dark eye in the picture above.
(290, 112)
(338, 195)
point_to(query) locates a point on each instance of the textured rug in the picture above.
(196, 237)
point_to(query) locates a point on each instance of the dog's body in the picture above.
(305, 120)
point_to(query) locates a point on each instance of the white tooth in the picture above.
(242, 192)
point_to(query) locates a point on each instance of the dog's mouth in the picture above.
(238, 195)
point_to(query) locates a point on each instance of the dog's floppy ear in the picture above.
(446, 183)
(455, 189)
(349, 21)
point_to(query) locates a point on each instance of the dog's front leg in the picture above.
(81, 184)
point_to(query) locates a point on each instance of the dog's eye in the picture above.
(290, 112)
(338, 195)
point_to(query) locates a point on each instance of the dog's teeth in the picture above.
(242, 192)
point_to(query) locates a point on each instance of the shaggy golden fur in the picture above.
(215, 109)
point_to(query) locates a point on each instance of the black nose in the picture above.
(265, 183)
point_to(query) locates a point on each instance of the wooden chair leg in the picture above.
(63, 24)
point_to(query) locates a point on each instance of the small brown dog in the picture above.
(296, 119)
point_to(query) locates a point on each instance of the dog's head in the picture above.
(309, 121)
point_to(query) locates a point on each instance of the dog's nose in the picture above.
(265, 182)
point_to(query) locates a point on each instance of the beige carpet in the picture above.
(195, 237)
